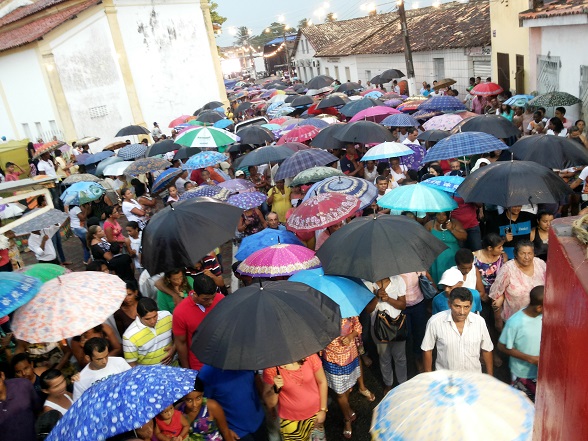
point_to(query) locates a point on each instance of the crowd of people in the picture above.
(487, 294)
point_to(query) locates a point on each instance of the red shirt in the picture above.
(186, 319)
(467, 214)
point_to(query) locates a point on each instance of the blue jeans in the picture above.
(81, 234)
(56, 239)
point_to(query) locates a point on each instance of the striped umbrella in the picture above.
(166, 178)
(210, 137)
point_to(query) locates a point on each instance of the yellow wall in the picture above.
(15, 151)
(509, 38)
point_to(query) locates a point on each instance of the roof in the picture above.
(556, 9)
(278, 40)
(450, 26)
(37, 20)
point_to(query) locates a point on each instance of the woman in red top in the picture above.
(301, 390)
(112, 228)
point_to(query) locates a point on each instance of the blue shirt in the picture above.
(522, 333)
(235, 391)
(441, 302)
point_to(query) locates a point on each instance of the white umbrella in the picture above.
(387, 150)
(11, 210)
(116, 169)
(451, 405)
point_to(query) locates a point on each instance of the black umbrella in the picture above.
(265, 155)
(333, 101)
(212, 105)
(267, 325)
(375, 247)
(239, 148)
(391, 74)
(326, 138)
(553, 152)
(320, 81)
(364, 132)
(299, 88)
(243, 107)
(186, 152)
(356, 106)
(163, 147)
(132, 130)
(350, 85)
(255, 135)
(377, 80)
(209, 116)
(513, 183)
(433, 135)
(184, 232)
(495, 125)
(290, 98)
(303, 100)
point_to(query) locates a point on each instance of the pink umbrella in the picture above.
(299, 134)
(322, 211)
(179, 120)
(442, 122)
(487, 89)
(375, 114)
(278, 261)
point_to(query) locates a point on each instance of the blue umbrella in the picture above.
(519, 100)
(123, 402)
(132, 151)
(82, 193)
(223, 123)
(96, 157)
(265, 155)
(245, 201)
(443, 104)
(419, 198)
(464, 144)
(210, 191)
(165, 178)
(315, 122)
(204, 159)
(265, 238)
(447, 183)
(16, 290)
(375, 94)
(364, 190)
(103, 164)
(400, 120)
(351, 296)
(303, 160)
(387, 150)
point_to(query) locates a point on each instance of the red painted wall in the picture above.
(562, 391)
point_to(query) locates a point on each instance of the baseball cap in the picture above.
(451, 277)
(239, 173)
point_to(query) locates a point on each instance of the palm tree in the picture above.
(305, 22)
(242, 36)
(331, 17)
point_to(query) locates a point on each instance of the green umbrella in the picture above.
(554, 99)
(205, 137)
(44, 271)
(314, 174)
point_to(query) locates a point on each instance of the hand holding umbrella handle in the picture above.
(278, 383)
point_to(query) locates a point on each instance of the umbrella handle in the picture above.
(276, 389)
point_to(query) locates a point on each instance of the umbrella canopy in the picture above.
(353, 107)
(400, 120)
(87, 140)
(170, 241)
(519, 100)
(79, 177)
(263, 319)
(410, 105)
(132, 151)
(315, 122)
(320, 81)
(299, 134)
(447, 183)
(116, 169)
(265, 238)
(391, 74)
(210, 117)
(301, 101)
(165, 179)
(202, 137)
(45, 220)
(48, 147)
(425, 114)
(255, 135)
(443, 104)
(163, 147)
(334, 100)
(442, 122)
(96, 157)
(364, 132)
(374, 113)
(132, 130)
(314, 174)
(295, 146)
(386, 150)
(244, 106)
(186, 152)
(16, 289)
(433, 135)
(179, 120)
(351, 296)
(323, 210)
(494, 125)
(377, 80)
(211, 105)
(248, 200)
(44, 271)
(464, 144)
(278, 261)
(553, 152)
(115, 145)
(375, 247)
(68, 306)
(208, 191)
(265, 155)
(376, 94)
(419, 198)
(460, 403)
(554, 99)
(146, 165)
(326, 138)
(364, 190)
(82, 193)
(514, 183)
(224, 123)
(486, 89)
(348, 86)
(123, 402)
(204, 159)
(238, 185)
(103, 164)
(445, 82)
(303, 160)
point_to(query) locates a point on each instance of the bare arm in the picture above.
(488, 361)
(115, 346)
(217, 412)
(480, 286)
(428, 361)
(182, 349)
(457, 229)
(321, 381)
(532, 359)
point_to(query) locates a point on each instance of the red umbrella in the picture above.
(486, 89)
(179, 120)
(299, 134)
(295, 146)
(322, 211)
(280, 120)
(312, 110)
(409, 106)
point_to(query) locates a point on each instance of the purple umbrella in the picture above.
(246, 201)
(238, 186)
(415, 160)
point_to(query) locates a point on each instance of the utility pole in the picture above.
(287, 52)
(252, 62)
(407, 51)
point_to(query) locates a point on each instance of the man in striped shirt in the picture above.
(149, 339)
(459, 336)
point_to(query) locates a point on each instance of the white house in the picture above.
(74, 68)
(449, 41)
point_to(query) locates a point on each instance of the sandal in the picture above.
(347, 432)
(352, 417)
(368, 394)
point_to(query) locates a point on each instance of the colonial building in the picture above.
(74, 68)
(449, 41)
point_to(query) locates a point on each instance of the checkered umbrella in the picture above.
(443, 104)
(302, 160)
(400, 120)
(464, 144)
(132, 151)
(45, 220)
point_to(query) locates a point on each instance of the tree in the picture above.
(215, 16)
(331, 17)
(243, 36)
(303, 23)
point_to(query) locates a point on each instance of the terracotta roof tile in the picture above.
(25, 11)
(556, 9)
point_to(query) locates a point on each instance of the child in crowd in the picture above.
(173, 195)
(171, 425)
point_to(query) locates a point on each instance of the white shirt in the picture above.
(74, 220)
(396, 288)
(46, 254)
(136, 246)
(88, 377)
(127, 208)
(370, 175)
(455, 351)
(47, 167)
(584, 177)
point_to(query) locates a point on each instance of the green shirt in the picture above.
(165, 302)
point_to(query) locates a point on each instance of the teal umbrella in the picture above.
(419, 198)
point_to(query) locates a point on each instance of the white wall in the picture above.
(26, 93)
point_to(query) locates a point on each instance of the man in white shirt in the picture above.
(459, 336)
(46, 166)
(41, 244)
(99, 367)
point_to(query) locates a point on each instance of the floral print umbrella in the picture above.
(211, 191)
(279, 260)
(554, 99)
(248, 200)
(322, 211)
